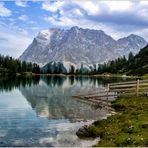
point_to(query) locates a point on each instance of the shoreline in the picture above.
(105, 75)
(123, 128)
(83, 75)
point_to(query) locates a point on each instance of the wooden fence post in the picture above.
(108, 87)
(107, 90)
(137, 88)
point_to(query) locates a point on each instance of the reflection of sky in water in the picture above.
(45, 114)
(12, 100)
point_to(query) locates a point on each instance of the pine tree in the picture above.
(72, 69)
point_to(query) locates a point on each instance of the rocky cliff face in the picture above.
(77, 45)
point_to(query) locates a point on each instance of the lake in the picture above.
(40, 111)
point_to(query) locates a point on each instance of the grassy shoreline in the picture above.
(129, 127)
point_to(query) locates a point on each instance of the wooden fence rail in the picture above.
(128, 88)
(112, 91)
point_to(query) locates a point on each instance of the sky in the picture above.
(20, 21)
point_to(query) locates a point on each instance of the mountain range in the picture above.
(76, 46)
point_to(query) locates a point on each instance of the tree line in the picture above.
(119, 65)
(9, 65)
(131, 65)
(58, 68)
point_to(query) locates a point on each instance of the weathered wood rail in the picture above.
(113, 90)
(100, 99)
(137, 87)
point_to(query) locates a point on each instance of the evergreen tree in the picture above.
(72, 69)
(36, 68)
(49, 70)
(13, 66)
(24, 66)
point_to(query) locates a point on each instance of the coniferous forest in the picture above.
(9, 65)
(133, 65)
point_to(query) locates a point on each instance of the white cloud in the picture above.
(90, 7)
(84, 23)
(4, 11)
(23, 17)
(117, 18)
(64, 21)
(52, 7)
(144, 3)
(78, 12)
(118, 6)
(13, 45)
(21, 3)
(13, 40)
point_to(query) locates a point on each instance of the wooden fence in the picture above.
(103, 97)
(138, 87)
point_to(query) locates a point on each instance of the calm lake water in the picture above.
(42, 112)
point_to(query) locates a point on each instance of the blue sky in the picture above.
(20, 21)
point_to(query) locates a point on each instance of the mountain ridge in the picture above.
(77, 45)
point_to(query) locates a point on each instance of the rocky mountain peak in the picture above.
(77, 45)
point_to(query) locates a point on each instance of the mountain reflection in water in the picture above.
(40, 111)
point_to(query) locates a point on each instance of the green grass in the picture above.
(129, 127)
(145, 76)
